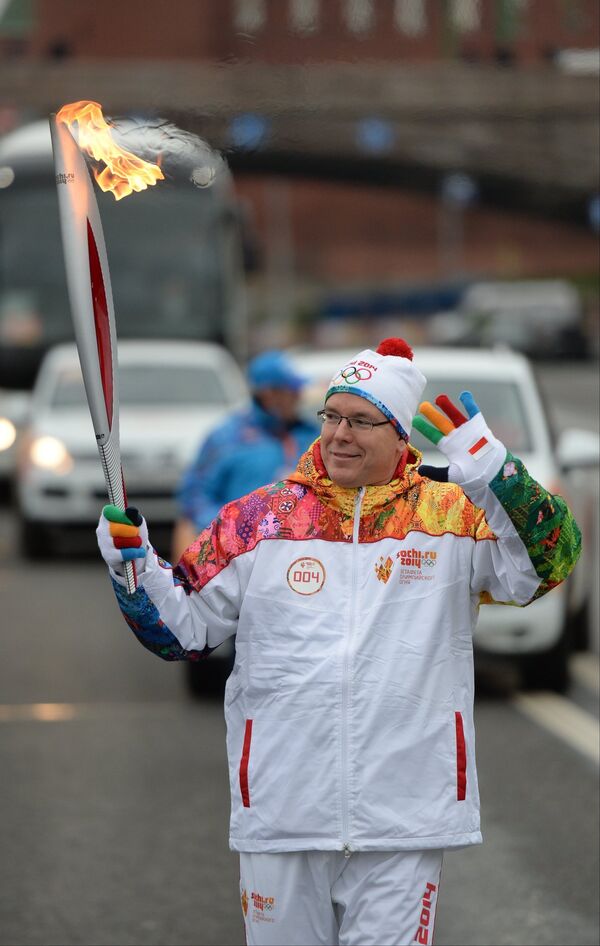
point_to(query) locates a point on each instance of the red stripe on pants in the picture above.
(461, 759)
(244, 764)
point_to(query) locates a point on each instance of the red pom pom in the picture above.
(395, 346)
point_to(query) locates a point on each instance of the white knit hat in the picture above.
(387, 378)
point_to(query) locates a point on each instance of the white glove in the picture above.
(473, 453)
(122, 537)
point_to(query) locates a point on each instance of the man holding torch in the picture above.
(352, 588)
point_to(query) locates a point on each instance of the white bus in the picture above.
(175, 258)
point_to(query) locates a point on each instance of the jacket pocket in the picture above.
(461, 759)
(244, 761)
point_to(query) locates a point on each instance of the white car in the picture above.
(171, 395)
(14, 410)
(503, 384)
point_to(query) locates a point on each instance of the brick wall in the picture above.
(344, 233)
(347, 30)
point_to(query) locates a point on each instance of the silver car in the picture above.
(171, 395)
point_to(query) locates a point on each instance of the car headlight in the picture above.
(8, 433)
(50, 453)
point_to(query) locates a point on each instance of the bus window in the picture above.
(174, 256)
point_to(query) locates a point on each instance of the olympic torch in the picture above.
(90, 296)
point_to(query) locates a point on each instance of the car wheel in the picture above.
(206, 678)
(36, 542)
(548, 670)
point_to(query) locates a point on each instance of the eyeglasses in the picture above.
(332, 419)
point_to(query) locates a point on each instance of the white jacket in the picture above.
(350, 706)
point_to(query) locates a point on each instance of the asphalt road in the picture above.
(114, 794)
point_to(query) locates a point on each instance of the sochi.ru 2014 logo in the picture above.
(306, 576)
(263, 908)
(417, 558)
(414, 565)
(262, 903)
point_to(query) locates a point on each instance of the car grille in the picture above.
(137, 494)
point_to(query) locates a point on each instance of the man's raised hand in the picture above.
(473, 453)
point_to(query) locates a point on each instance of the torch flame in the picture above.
(124, 172)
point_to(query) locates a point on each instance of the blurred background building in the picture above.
(387, 153)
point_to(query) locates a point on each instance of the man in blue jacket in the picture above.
(253, 447)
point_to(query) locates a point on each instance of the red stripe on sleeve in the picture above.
(244, 789)
(461, 759)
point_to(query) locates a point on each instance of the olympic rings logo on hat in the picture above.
(352, 375)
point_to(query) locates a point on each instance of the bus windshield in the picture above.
(169, 268)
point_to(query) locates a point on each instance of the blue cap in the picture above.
(272, 369)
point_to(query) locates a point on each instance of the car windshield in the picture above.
(500, 401)
(147, 385)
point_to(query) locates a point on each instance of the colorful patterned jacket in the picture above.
(350, 706)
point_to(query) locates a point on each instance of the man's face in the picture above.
(359, 457)
(280, 402)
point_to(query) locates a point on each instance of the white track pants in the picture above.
(322, 898)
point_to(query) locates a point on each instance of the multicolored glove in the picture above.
(473, 453)
(122, 536)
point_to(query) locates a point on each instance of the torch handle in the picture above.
(115, 486)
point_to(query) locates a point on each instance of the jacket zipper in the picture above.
(345, 674)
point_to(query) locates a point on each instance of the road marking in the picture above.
(65, 712)
(563, 718)
(586, 670)
(38, 712)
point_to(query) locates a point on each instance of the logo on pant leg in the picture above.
(245, 901)
(425, 930)
(262, 908)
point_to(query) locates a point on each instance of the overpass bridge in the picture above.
(529, 136)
